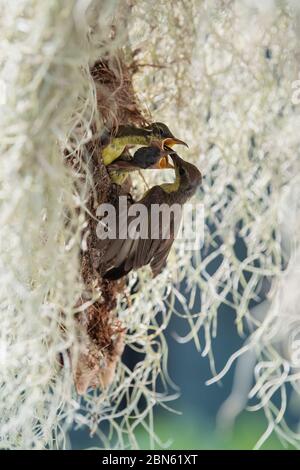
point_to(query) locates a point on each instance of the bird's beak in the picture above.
(170, 141)
(163, 164)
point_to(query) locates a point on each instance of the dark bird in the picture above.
(129, 136)
(124, 255)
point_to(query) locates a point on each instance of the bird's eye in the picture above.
(182, 171)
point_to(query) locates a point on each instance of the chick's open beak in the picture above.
(170, 141)
(163, 164)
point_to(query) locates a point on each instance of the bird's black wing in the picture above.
(123, 255)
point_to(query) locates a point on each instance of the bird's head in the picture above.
(162, 133)
(188, 175)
